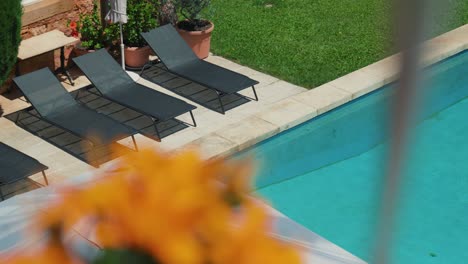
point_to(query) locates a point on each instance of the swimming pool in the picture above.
(326, 173)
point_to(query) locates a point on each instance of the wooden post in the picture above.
(104, 6)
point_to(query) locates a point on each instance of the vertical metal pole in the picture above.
(409, 18)
(122, 46)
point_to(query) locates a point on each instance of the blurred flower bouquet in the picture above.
(163, 209)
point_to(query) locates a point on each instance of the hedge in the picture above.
(10, 35)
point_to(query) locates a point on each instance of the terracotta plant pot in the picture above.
(199, 41)
(136, 57)
(79, 51)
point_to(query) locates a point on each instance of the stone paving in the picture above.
(63, 165)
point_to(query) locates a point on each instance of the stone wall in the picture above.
(58, 21)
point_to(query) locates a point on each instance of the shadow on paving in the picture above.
(19, 187)
(192, 91)
(30, 120)
(142, 123)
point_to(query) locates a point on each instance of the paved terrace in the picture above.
(282, 105)
(38, 139)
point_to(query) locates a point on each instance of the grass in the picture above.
(311, 42)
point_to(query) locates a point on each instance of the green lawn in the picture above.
(311, 42)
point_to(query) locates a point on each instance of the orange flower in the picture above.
(73, 25)
(173, 207)
(250, 242)
(50, 254)
(74, 29)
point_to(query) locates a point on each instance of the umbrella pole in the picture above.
(122, 46)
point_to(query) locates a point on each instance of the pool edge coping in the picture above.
(297, 109)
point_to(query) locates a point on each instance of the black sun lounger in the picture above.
(113, 83)
(15, 166)
(56, 106)
(180, 60)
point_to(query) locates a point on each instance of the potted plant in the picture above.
(167, 12)
(195, 30)
(93, 34)
(140, 19)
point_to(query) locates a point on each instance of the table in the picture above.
(44, 43)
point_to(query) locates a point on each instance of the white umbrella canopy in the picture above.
(118, 13)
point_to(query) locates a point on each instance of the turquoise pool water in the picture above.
(326, 174)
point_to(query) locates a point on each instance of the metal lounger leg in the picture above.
(221, 103)
(45, 178)
(62, 66)
(134, 142)
(254, 98)
(18, 121)
(92, 151)
(17, 117)
(69, 77)
(255, 93)
(157, 131)
(146, 66)
(77, 94)
(193, 119)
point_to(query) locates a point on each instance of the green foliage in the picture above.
(311, 42)
(191, 10)
(166, 11)
(95, 35)
(10, 37)
(141, 18)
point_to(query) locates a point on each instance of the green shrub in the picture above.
(94, 35)
(10, 35)
(141, 18)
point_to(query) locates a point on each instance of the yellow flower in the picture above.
(173, 207)
(50, 254)
(249, 242)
